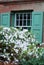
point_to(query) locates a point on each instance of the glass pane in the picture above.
(20, 16)
(28, 22)
(28, 16)
(20, 22)
(17, 16)
(24, 23)
(17, 22)
(24, 16)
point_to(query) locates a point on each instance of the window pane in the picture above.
(24, 16)
(28, 22)
(24, 22)
(17, 16)
(20, 16)
(28, 16)
(20, 22)
(17, 22)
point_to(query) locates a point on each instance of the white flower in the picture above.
(16, 60)
(21, 36)
(37, 56)
(35, 47)
(4, 50)
(8, 59)
(32, 40)
(9, 36)
(29, 44)
(33, 44)
(40, 54)
(6, 47)
(15, 35)
(3, 56)
(18, 42)
(5, 40)
(12, 41)
(6, 43)
(16, 50)
(24, 48)
(25, 30)
(6, 28)
(30, 53)
(1, 41)
(6, 36)
(11, 54)
(3, 33)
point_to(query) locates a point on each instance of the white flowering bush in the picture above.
(19, 45)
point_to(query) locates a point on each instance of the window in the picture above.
(23, 20)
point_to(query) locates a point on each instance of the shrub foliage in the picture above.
(20, 46)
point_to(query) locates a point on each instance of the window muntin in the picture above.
(23, 20)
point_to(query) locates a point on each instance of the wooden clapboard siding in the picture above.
(18, 0)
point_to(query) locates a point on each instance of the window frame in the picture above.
(23, 18)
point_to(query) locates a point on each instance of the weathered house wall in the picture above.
(36, 6)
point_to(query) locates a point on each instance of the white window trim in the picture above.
(22, 20)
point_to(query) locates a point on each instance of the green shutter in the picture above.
(37, 19)
(5, 19)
